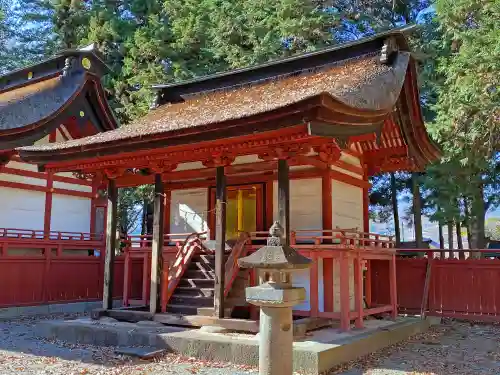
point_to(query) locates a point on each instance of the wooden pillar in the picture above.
(269, 197)
(345, 308)
(358, 289)
(220, 240)
(109, 261)
(327, 203)
(284, 199)
(167, 209)
(48, 204)
(393, 287)
(157, 245)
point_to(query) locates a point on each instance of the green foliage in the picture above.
(468, 109)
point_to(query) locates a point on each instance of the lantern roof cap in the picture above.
(275, 255)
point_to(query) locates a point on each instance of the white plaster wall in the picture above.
(70, 214)
(21, 209)
(22, 179)
(305, 213)
(353, 160)
(305, 203)
(21, 165)
(347, 209)
(75, 187)
(188, 210)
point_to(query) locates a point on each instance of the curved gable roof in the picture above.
(344, 86)
(37, 99)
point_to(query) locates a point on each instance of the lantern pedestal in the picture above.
(275, 296)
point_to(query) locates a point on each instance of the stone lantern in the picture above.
(275, 296)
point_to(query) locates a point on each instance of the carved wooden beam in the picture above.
(113, 173)
(329, 153)
(221, 160)
(285, 152)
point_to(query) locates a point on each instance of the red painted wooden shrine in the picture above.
(331, 117)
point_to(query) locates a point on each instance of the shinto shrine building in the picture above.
(56, 100)
(293, 140)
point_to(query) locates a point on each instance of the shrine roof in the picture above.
(37, 99)
(355, 84)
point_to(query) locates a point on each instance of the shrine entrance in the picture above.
(244, 209)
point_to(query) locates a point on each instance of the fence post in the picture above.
(358, 288)
(393, 287)
(46, 274)
(345, 308)
(313, 277)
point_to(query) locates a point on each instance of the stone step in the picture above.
(189, 300)
(201, 266)
(202, 292)
(182, 309)
(206, 258)
(194, 310)
(199, 274)
(196, 283)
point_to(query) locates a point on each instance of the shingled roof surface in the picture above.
(28, 104)
(362, 83)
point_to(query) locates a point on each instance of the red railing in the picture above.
(137, 251)
(187, 250)
(52, 235)
(333, 254)
(231, 267)
(458, 288)
(39, 268)
(336, 238)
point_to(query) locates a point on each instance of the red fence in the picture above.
(38, 268)
(467, 289)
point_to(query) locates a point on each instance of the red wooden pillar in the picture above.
(393, 287)
(345, 308)
(127, 277)
(48, 204)
(327, 217)
(366, 229)
(358, 289)
(48, 195)
(313, 283)
(368, 284)
(93, 205)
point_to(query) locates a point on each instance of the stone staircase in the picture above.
(194, 295)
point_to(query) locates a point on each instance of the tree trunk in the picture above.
(144, 217)
(478, 212)
(467, 222)
(450, 238)
(417, 211)
(460, 244)
(441, 236)
(395, 211)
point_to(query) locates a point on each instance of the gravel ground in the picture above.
(453, 348)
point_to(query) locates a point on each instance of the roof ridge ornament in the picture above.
(275, 235)
(389, 49)
(68, 65)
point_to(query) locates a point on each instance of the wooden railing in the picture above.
(232, 268)
(187, 250)
(445, 286)
(137, 250)
(52, 235)
(38, 267)
(336, 238)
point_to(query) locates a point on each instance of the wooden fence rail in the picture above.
(459, 288)
(39, 268)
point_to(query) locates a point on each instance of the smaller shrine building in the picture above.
(293, 140)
